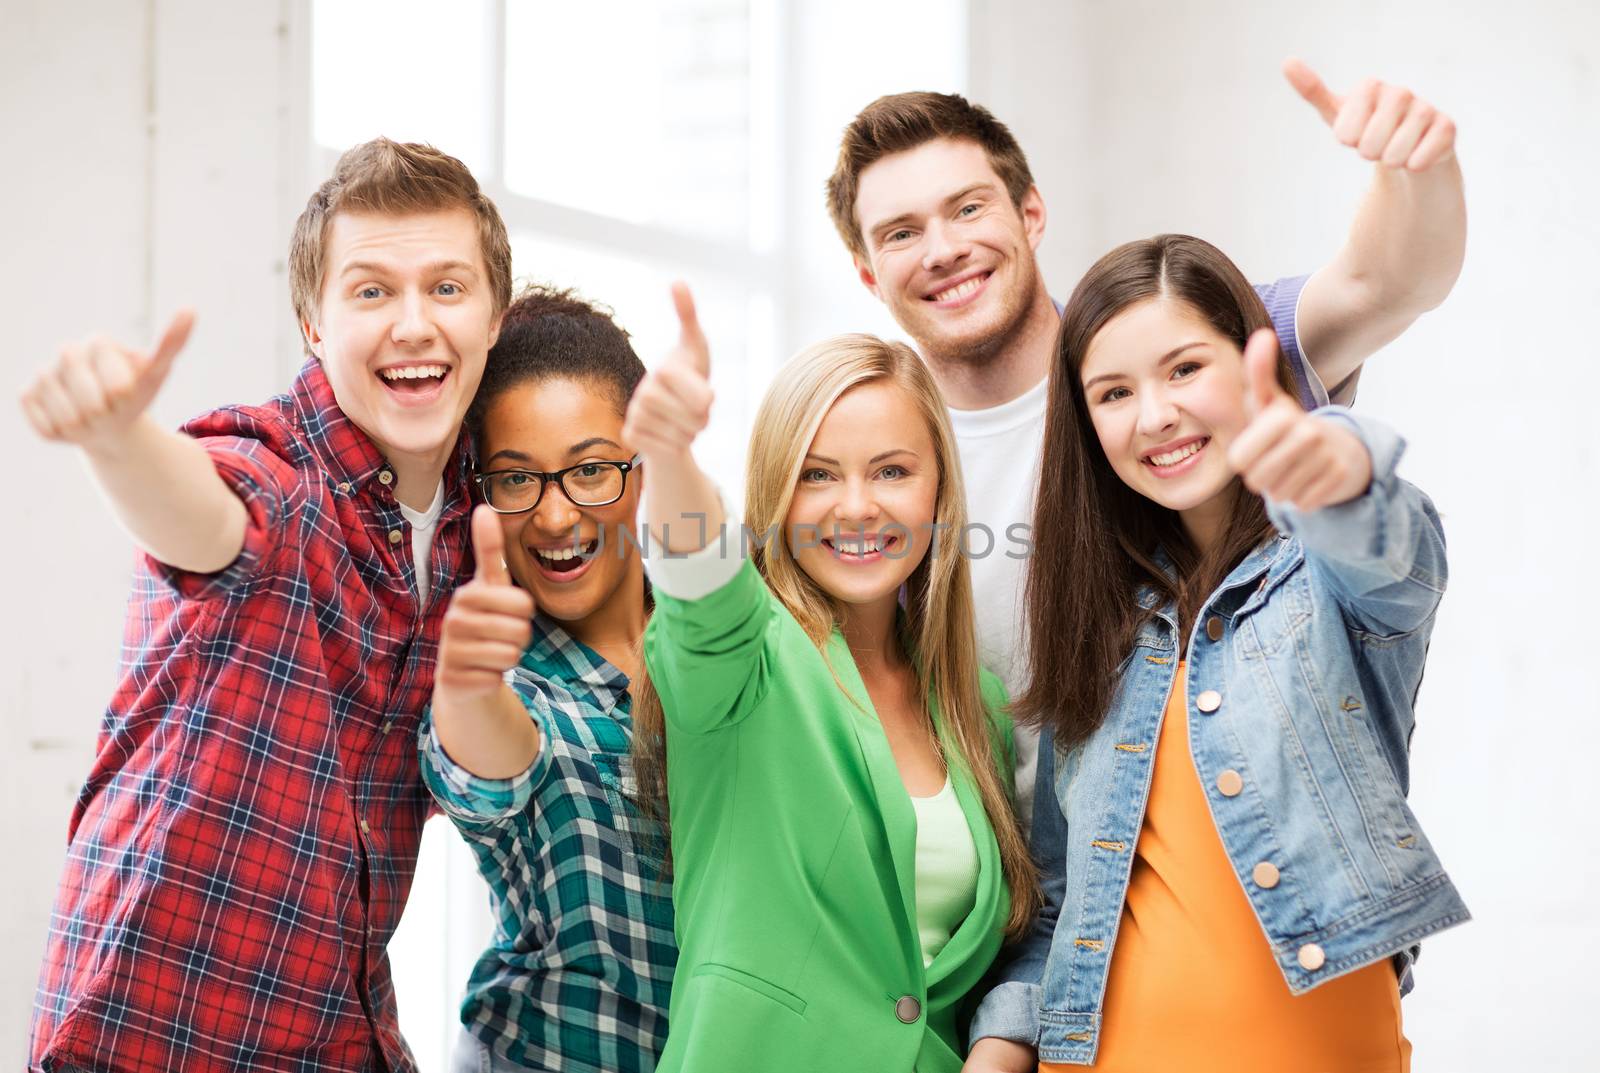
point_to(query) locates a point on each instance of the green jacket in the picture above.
(794, 844)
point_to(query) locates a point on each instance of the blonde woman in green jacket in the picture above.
(845, 858)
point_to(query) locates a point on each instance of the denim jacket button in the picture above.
(1209, 701)
(1229, 783)
(1265, 874)
(1214, 628)
(1311, 957)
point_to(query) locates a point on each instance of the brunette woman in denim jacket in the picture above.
(1229, 609)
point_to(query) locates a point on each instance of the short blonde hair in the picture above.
(393, 178)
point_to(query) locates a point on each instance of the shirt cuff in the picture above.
(1010, 1011)
(473, 798)
(1360, 520)
(266, 497)
(697, 574)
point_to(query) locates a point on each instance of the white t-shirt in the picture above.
(422, 528)
(1000, 451)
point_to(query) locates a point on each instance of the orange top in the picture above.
(1194, 986)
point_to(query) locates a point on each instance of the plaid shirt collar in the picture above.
(557, 655)
(348, 453)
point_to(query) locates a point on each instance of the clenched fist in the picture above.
(1383, 122)
(1286, 454)
(488, 622)
(97, 388)
(672, 404)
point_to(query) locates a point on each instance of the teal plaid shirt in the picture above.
(580, 969)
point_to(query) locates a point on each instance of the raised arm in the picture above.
(1329, 479)
(1409, 237)
(162, 485)
(670, 407)
(481, 724)
(705, 644)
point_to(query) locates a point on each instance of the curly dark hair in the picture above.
(551, 332)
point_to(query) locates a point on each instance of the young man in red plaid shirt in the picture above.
(242, 849)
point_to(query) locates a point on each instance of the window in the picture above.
(629, 143)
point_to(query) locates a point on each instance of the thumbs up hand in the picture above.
(488, 622)
(98, 388)
(1383, 122)
(672, 404)
(1286, 454)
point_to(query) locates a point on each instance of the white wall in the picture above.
(1142, 116)
(1137, 116)
(150, 150)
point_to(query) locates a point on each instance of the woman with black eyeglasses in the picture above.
(526, 746)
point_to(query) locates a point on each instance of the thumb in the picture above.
(1261, 372)
(167, 347)
(691, 340)
(1309, 86)
(489, 546)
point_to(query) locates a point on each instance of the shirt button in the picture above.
(1230, 782)
(385, 477)
(366, 829)
(1311, 957)
(387, 726)
(1214, 628)
(394, 536)
(1265, 874)
(344, 486)
(908, 1009)
(1209, 701)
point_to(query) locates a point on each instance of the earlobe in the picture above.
(1033, 216)
(312, 337)
(868, 280)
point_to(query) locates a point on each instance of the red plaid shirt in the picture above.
(241, 852)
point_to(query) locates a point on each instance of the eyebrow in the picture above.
(432, 269)
(592, 441)
(515, 456)
(960, 195)
(1168, 356)
(874, 460)
(576, 449)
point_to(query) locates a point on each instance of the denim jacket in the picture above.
(1303, 667)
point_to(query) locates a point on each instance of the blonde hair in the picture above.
(393, 178)
(940, 624)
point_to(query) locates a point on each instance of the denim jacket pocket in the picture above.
(1396, 837)
(1270, 622)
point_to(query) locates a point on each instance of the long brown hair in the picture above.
(940, 632)
(1096, 541)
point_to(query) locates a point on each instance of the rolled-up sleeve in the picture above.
(254, 459)
(472, 799)
(1382, 554)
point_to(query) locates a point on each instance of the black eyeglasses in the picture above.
(588, 484)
